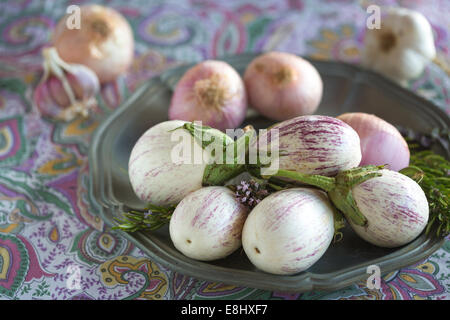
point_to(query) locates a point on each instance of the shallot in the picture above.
(281, 86)
(211, 92)
(65, 90)
(103, 42)
(381, 142)
(288, 231)
(207, 224)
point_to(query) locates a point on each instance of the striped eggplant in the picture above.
(395, 207)
(157, 172)
(207, 224)
(384, 207)
(313, 145)
(288, 231)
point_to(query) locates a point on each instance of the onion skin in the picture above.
(104, 42)
(223, 102)
(288, 231)
(381, 142)
(395, 206)
(153, 175)
(281, 86)
(207, 224)
(315, 145)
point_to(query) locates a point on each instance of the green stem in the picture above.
(339, 188)
(343, 199)
(219, 173)
(322, 182)
(135, 220)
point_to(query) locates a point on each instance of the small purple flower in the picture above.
(250, 193)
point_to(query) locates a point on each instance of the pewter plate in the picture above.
(346, 88)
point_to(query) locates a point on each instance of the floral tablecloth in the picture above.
(51, 236)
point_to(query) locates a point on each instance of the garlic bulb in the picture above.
(65, 90)
(402, 46)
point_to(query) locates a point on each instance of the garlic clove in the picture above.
(57, 92)
(65, 90)
(411, 63)
(83, 82)
(414, 30)
(45, 102)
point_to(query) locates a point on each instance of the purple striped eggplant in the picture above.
(288, 231)
(170, 160)
(157, 179)
(207, 224)
(313, 145)
(395, 207)
(384, 207)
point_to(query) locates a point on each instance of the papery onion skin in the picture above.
(289, 231)
(104, 42)
(207, 224)
(211, 92)
(381, 142)
(314, 145)
(281, 86)
(395, 206)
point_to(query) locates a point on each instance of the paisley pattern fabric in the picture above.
(52, 243)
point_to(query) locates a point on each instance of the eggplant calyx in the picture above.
(342, 195)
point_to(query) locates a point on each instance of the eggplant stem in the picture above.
(325, 183)
(343, 199)
(360, 178)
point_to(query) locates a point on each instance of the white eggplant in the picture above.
(289, 231)
(395, 207)
(384, 207)
(207, 224)
(159, 178)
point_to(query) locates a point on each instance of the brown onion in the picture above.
(282, 86)
(104, 42)
(381, 142)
